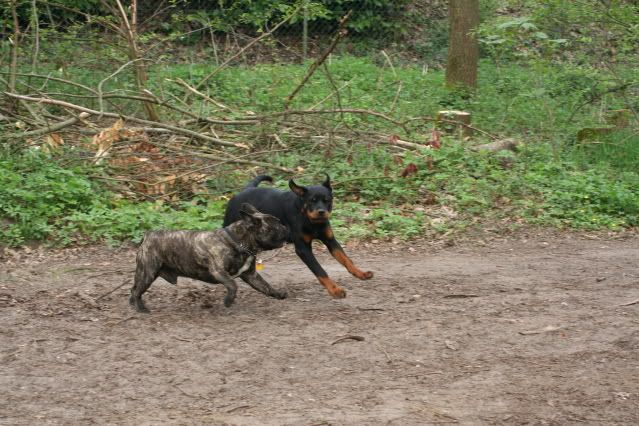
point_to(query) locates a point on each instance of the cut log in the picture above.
(594, 133)
(619, 118)
(452, 121)
(500, 145)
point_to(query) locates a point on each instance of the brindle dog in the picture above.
(213, 257)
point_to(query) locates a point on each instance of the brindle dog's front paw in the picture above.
(139, 306)
(228, 301)
(280, 294)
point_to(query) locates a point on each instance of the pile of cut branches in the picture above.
(173, 152)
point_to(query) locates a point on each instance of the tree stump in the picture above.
(452, 121)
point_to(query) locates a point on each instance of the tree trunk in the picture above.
(130, 32)
(15, 46)
(463, 48)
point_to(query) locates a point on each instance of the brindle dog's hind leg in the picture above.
(255, 280)
(146, 271)
(169, 276)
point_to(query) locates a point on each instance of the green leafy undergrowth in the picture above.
(42, 200)
(454, 187)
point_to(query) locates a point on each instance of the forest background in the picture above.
(431, 117)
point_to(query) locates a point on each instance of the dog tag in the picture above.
(258, 265)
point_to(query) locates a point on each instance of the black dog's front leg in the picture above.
(337, 252)
(305, 252)
(255, 280)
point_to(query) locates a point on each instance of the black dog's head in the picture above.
(317, 201)
(267, 230)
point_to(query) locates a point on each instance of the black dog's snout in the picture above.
(321, 212)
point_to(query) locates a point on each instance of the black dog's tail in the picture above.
(257, 180)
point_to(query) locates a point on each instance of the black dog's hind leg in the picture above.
(337, 252)
(255, 280)
(305, 252)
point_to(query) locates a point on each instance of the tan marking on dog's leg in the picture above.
(341, 257)
(332, 288)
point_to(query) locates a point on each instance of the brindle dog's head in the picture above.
(267, 231)
(317, 201)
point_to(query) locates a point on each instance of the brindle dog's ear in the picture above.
(327, 182)
(299, 190)
(248, 210)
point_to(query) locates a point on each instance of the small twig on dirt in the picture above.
(632, 302)
(187, 394)
(546, 329)
(341, 32)
(124, 320)
(240, 407)
(112, 290)
(349, 337)
(459, 296)
(381, 348)
(111, 272)
(88, 299)
(182, 340)
(370, 309)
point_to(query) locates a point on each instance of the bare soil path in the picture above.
(536, 330)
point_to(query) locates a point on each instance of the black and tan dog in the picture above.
(306, 212)
(213, 257)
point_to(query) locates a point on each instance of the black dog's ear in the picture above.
(299, 190)
(247, 209)
(327, 182)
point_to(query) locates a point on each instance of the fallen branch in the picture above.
(244, 49)
(632, 302)
(455, 122)
(50, 129)
(200, 94)
(175, 129)
(500, 145)
(325, 111)
(341, 32)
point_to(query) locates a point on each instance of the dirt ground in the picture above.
(519, 330)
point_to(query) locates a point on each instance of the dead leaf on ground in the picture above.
(451, 345)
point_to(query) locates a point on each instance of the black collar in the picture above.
(237, 245)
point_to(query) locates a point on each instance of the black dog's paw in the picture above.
(367, 275)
